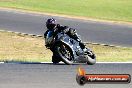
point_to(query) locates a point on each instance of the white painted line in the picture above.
(39, 35)
(49, 62)
(31, 34)
(10, 31)
(45, 62)
(24, 33)
(1, 62)
(17, 32)
(97, 62)
(80, 63)
(2, 30)
(114, 62)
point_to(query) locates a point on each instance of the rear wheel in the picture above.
(65, 53)
(91, 58)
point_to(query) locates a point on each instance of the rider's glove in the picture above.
(72, 31)
(65, 29)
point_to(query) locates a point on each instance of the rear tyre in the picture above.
(91, 58)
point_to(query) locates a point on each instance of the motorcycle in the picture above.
(67, 49)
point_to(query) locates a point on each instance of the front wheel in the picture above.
(65, 53)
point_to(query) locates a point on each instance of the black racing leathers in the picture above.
(69, 31)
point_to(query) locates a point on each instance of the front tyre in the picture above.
(65, 53)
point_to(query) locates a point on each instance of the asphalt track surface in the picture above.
(90, 31)
(57, 76)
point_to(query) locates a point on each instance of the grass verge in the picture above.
(117, 10)
(15, 47)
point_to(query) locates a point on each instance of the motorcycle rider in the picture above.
(51, 25)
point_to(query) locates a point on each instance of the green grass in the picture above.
(15, 47)
(117, 10)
